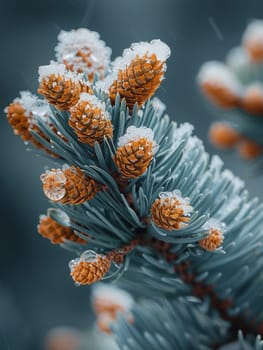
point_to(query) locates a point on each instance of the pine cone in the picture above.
(170, 212)
(82, 51)
(252, 100)
(22, 122)
(134, 158)
(212, 241)
(249, 149)
(220, 85)
(17, 118)
(252, 41)
(88, 272)
(61, 92)
(90, 121)
(138, 81)
(55, 232)
(69, 186)
(223, 136)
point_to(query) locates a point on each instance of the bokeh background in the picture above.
(36, 292)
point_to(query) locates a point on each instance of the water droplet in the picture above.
(53, 184)
(89, 256)
(73, 263)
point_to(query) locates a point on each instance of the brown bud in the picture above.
(88, 271)
(212, 241)
(249, 149)
(69, 186)
(90, 122)
(55, 232)
(133, 158)
(252, 100)
(221, 95)
(139, 80)
(22, 122)
(223, 136)
(60, 87)
(171, 211)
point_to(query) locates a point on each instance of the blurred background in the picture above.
(36, 292)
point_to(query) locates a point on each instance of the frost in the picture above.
(184, 201)
(133, 134)
(108, 295)
(236, 181)
(254, 32)
(82, 39)
(95, 102)
(218, 74)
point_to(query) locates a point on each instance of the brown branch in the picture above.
(201, 291)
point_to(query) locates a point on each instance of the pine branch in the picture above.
(135, 196)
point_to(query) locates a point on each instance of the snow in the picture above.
(53, 68)
(82, 39)
(34, 107)
(157, 47)
(95, 102)
(237, 58)
(158, 104)
(133, 134)
(254, 32)
(177, 195)
(215, 225)
(218, 73)
(108, 295)
(27, 100)
(58, 69)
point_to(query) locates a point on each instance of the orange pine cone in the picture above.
(89, 268)
(219, 84)
(104, 322)
(60, 88)
(135, 152)
(137, 74)
(22, 121)
(82, 51)
(17, 118)
(220, 95)
(212, 241)
(252, 100)
(253, 40)
(171, 211)
(134, 158)
(138, 81)
(56, 233)
(90, 121)
(249, 149)
(69, 186)
(223, 136)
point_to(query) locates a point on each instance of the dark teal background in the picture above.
(39, 293)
